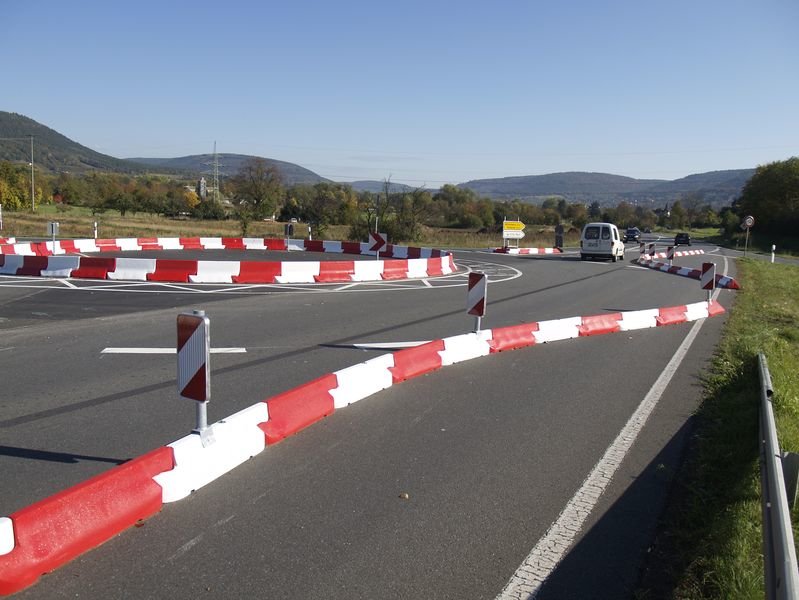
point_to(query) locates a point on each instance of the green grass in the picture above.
(711, 544)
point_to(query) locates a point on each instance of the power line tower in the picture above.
(215, 164)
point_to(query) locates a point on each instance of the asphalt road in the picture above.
(435, 488)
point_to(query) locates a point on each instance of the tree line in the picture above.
(257, 192)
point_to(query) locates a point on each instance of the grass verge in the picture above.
(710, 543)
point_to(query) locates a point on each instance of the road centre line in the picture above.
(543, 559)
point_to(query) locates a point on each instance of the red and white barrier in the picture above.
(53, 531)
(410, 262)
(721, 280)
(507, 250)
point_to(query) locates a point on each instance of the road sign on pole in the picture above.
(376, 242)
(194, 366)
(512, 230)
(477, 289)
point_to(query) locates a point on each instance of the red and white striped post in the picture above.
(652, 251)
(708, 279)
(670, 254)
(641, 249)
(476, 297)
(194, 366)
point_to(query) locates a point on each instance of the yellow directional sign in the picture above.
(512, 225)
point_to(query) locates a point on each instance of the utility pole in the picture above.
(33, 196)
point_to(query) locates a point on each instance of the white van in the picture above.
(601, 240)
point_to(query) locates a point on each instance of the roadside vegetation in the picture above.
(710, 545)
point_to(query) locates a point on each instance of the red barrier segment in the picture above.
(32, 266)
(192, 243)
(93, 267)
(434, 267)
(2, 260)
(414, 252)
(68, 246)
(173, 270)
(233, 243)
(395, 269)
(107, 245)
(600, 324)
(298, 408)
(314, 246)
(41, 249)
(258, 272)
(335, 270)
(55, 530)
(275, 244)
(671, 315)
(727, 282)
(149, 244)
(351, 247)
(512, 337)
(412, 362)
(714, 308)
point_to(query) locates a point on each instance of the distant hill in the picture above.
(53, 151)
(57, 153)
(229, 165)
(716, 187)
(379, 186)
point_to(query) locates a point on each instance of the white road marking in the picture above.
(167, 351)
(527, 581)
(388, 345)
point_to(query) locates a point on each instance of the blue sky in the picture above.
(424, 92)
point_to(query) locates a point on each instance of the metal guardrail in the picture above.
(781, 574)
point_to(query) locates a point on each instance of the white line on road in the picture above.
(526, 582)
(167, 351)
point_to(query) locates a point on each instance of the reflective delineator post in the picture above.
(194, 367)
(477, 288)
(708, 279)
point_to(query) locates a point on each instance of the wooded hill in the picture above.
(57, 154)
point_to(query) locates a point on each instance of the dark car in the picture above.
(633, 234)
(682, 239)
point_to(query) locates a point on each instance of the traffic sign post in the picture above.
(708, 278)
(52, 229)
(747, 223)
(194, 367)
(477, 289)
(512, 230)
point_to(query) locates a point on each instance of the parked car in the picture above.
(633, 234)
(601, 240)
(682, 239)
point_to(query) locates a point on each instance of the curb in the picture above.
(51, 532)
(60, 259)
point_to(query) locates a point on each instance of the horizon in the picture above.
(424, 94)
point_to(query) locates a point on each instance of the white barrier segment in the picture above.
(399, 252)
(216, 271)
(24, 249)
(557, 329)
(299, 272)
(237, 439)
(685, 271)
(212, 243)
(417, 267)
(86, 246)
(724, 281)
(6, 535)
(445, 265)
(54, 248)
(331, 246)
(12, 263)
(368, 270)
(253, 243)
(486, 335)
(696, 311)
(425, 253)
(171, 243)
(365, 249)
(362, 380)
(639, 319)
(296, 246)
(134, 269)
(463, 347)
(127, 244)
(61, 266)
